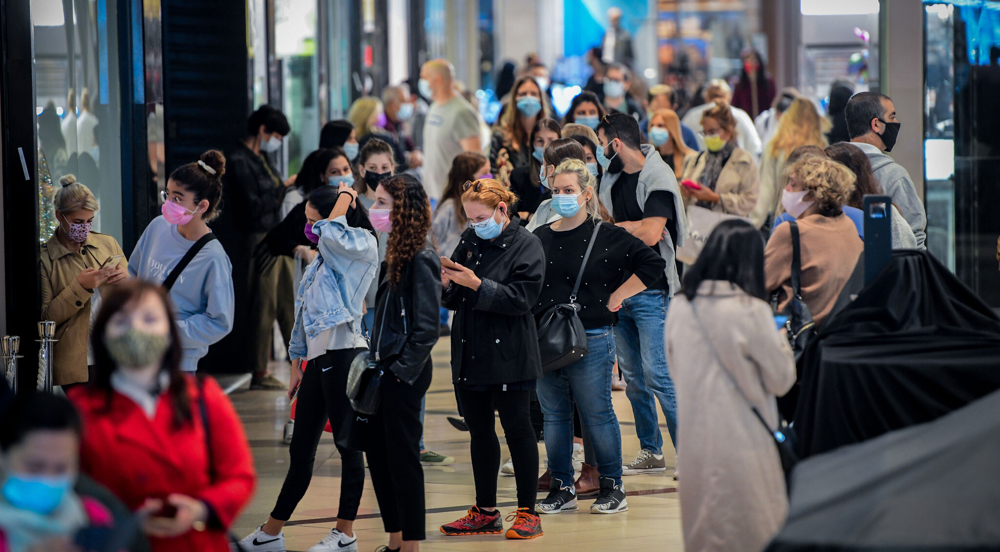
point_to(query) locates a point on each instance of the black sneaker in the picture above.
(458, 423)
(561, 498)
(611, 500)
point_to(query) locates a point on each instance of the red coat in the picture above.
(138, 458)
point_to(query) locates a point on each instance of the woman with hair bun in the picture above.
(74, 264)
(202, 291)
(492, 281)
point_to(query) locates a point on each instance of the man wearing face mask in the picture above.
(617, 81)
(399, 111)
(640, 191)
(872, 124)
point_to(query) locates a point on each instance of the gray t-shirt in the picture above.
(446, 124)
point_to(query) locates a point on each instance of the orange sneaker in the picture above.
(475, 523)
(527, 525)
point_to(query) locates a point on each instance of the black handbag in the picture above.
(562, 339)
(364, 379)
(800, 325)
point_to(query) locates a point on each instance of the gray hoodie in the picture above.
(655, 176)
(897, 184)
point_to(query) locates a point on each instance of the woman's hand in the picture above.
(704, 194)
(614, 302)
(91, 278)
(296, 380)
(345, 187)
(290, 181)
(189, 512)
(116, 275)
(462, 276)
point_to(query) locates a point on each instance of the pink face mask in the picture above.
(78, 231)
(380, 219)
(176, 214)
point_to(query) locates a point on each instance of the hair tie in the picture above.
(205, 166)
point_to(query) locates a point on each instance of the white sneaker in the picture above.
(507, 469)
(259, 541)
(336, 542)
(578, 456)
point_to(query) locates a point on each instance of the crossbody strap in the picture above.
(586, 257)
(796, 260)
(186, 260)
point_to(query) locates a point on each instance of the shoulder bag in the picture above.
(365, 377)
(562, 339)
(186, 260)
(800, 324)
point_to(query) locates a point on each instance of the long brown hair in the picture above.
(124, 296)
(463, 169)
(510, 121)
(800, 125)
(673, 124)
(411, 220)
(853, 158)
(533, 165)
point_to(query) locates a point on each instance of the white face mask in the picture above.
(270, 145)
(794, 202)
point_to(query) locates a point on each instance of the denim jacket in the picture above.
(334, 285)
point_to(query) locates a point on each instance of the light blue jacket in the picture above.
(334, 285)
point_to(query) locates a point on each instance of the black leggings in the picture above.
(322, 395)
(515, 416)
(393, 450)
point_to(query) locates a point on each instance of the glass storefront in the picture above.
(295, 48)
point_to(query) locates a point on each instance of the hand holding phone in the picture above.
(448, 263)
(691, 184)
(112, 261)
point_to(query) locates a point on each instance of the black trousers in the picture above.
(515, 417)
(322, 396)
(393, 450)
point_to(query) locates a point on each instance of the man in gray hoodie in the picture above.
(872, 124)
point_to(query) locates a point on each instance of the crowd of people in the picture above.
(409, 222)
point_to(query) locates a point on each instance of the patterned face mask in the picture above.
(137, 349)
(78, 231)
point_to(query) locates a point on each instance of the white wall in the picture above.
(516, 28)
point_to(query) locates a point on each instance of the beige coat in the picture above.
(737, 186)
(65, 302)
(732, 491)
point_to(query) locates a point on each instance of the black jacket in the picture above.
(252, 190)
(408, 318)
(289, 233)
(496, 321)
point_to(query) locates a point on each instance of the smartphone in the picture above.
(112, 261)
(167, 511)
(780, 320)
(448, 263)
(690, 184)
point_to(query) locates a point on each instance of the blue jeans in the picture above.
(587, 380)
(642, 359)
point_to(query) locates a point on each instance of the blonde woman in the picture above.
(665, 135)
(800, 125)
(75, 263)
(818, 188)
(723, 178)
(367, 115)
(620, 265)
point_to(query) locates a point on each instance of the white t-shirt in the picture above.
(445, 125)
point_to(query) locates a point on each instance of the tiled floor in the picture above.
(652, 522)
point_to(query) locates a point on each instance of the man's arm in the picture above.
(649, 230)
(471, 143)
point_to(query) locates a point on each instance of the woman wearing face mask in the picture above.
(556, 152)
(724, 178)
(74, 264)
(817, 189)
(340, 134)
(39, 462)
(492, 281)
(526, 181)
(620, 265)
(665, 135)
(375, 164)
(203, 292)
(526, 106)
(449, 217)
(407, 312)
(328, 335)
(368, 116)
(169, 445)
(585, 109)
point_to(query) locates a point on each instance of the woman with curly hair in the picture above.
(406, 313)
(815, 195)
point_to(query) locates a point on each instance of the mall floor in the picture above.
(652, 522)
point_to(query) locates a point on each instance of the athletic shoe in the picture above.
(458, 423)
(527, 525)
(259, 541)
(267, 383)
(507, 469)
(611, 500)
(336, 542)
(431, 458)
(289, 430)
(475, 523)
(562, 498)
(645, 462)
(578, 456)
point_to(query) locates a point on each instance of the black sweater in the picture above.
(616, 256)
(529, 194)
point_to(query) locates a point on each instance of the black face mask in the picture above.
(372, 178)
(616, 165)
(889, 134)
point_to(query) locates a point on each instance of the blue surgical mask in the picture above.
(338, 180)
(405, 112)
(603, 159)
(592, 122)
(529, 106)
(566, 205)
(658, 136)
(489, 228)
(424, 87)
(539, 154)
(614, 89)
(592, 167)
(352, 151)
(38, 494)
(543, 178)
